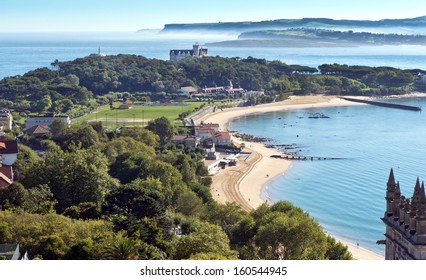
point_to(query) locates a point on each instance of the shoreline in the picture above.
(245, 183)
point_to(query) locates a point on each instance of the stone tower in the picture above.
(196, 50)
(405, 221)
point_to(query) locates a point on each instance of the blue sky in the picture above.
(131, 15)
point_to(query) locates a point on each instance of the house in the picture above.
(38, 130)
(46, 119)
(186, 140)
(211, 131)
(125, 106)
(203, 133)
(176, 55)
(222, 138)
(9, 252)
(213, 90)
(206, 130)
(187, 91)
(6, 119)
(212, 166)
(6, 176)
(8, 151)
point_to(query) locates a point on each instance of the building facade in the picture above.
(197, 51)
(405, 221)
(5, 120)
(45, 120)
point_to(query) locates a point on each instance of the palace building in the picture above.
(405, 221)
(176, 55)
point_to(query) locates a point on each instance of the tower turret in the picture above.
(397, 191)
(415, 199)
(390, 193)
(196, 50)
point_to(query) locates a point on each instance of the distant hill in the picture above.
(308, 37)
(409, 23)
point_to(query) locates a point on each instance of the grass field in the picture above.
(137, 115)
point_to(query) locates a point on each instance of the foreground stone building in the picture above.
(405, 221)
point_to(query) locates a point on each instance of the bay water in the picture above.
(347, 195)
(22, 52)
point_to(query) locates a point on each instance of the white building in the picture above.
(45, 120)
(8, 151)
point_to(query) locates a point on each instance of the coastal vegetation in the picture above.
(134, 195)
(80, 87)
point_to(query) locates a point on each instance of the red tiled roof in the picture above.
(38, 130)
(10, 147)
(222, 136)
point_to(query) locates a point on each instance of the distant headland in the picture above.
(311, 32)
(407, 24)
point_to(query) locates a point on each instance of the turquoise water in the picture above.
(347, 195)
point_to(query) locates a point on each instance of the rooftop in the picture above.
(8, 147)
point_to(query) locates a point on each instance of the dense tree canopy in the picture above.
(79, 86)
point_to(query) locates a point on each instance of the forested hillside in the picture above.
(79, 86)
(129, 195)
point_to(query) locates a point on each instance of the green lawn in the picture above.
(137, 115)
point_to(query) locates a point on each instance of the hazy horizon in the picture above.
(130, 16)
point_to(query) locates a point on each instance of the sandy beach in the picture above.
(243, 183)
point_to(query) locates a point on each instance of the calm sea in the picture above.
(21, 52)
(346, 196)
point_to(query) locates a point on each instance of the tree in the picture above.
(138, 198)
(51, 236)
(118, 146)
(58, 127)
(163, 128)
(207, 238)
(83, 136)
(13, 196)
(336, 250)
(283, 231)
(141, 134)
(125, 248)
(43, 104)
(72, 79)
(188, 203)
(73, 177)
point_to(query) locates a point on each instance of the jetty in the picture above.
(295, 157)
(383, 104)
